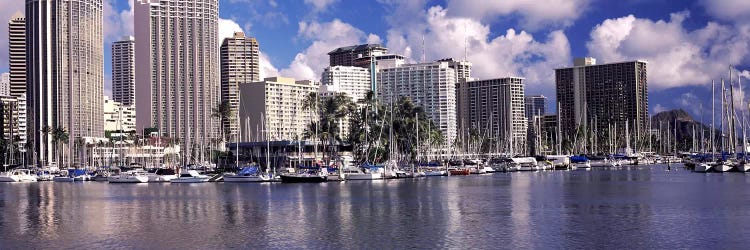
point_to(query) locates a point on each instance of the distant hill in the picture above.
(685, 125)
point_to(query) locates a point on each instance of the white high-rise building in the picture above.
(431, 85)
(240, 64)
(123, 71)
(351, 81)
(65, 71)
(5, 84)
(117, 116)
(274, 109)
(177, 70)
(17, 54)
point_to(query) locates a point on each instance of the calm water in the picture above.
(628, 208)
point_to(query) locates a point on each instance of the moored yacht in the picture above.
(161, 175)
(722, 166)
(18, 175)
(247, 174)
(703, 167)
(132, 176)
(367, 172)
(306, 174)
(190, 176)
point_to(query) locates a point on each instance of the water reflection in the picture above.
(628, 208)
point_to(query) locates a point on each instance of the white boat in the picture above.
(742, 167)
(161, 175)
(436, 173)
(72, 175)
(703, 167)
(247, 174)
(722, 167)
(368, 173)
(190, 176)
(583, 165)
(477, 170)
(524, 163)
(44, 175)
(132, 176)
(488, 169)
(18, 175)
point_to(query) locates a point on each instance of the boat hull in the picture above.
(229, 178)
(373, 176)
(459, 172)
(129, 179)
(303, 179)
(63, 179)
(190, 180)
(743, 167)
(702, 168)
(721, 168)
(435, 173)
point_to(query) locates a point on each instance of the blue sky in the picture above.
(687, 42)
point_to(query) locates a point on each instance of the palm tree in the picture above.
(330, 111)
(223, 112)
(59, 137)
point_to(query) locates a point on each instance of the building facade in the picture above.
(65, 71)
(431, 85)
(123, 71)
(5, 84)
(357, 55)
(17, 54)
(118, 116)
(240, 64)
(597, 97)
(177, 70)
(495, 109)
(536, 105)
(272, 109)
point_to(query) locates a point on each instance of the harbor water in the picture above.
(628, 207)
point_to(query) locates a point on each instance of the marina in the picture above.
(625, 207)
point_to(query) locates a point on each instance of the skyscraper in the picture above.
(240, 64)
(5, 84)
(495, 108)
(535, 105)
(17, 54)
(123, 71)
(597, 97)
(64, 71)
(177, 70)
(431, 85)
(356, 55)
(350, 81)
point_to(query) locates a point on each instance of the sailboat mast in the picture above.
(713, 119)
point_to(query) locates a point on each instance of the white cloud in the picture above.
(320, 5)
(117, 24)
(730, 10)
(676, 56)
(533, 13)
(511, 54)
(325, 37)
(227, 27)
(659, 108)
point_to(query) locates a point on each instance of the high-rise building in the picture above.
(17, 54)
(240, 64)
(350, 81)
(431, 85)
(118, 116)
(177, 70)
(274, 109)
(357, 55)
(536, 105)
(123, 71)
(594, 96)
(64, 44)
(495, 107)
(5, 84)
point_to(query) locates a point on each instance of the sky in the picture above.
(687, 43)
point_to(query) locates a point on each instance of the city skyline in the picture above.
(290, 29)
